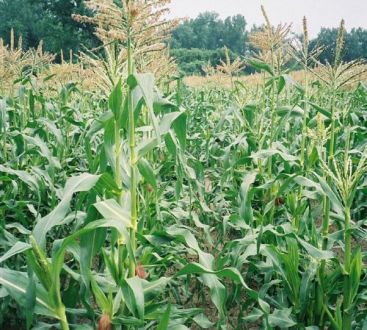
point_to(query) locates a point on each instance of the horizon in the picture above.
(320, 14)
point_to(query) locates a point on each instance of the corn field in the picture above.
(141, 203)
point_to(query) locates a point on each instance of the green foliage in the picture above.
(192, 61)
(355, 44)
(210, 208)
(49, 21)
(208, 31)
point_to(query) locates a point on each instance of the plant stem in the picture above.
(272, 112)
(347, 302)
(117, 159)
(63, 320)
(326, 218)
(326, 203)
(332, 320)
(133, 160)
(347, 316)
(303, 139)
(121, 241)
(304, 124)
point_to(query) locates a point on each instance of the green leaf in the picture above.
(16, 284)
(315, 252)
(202, 321)
(133, 294)
(101, 299)
(19, 247)
(146, 146)
(52, 128)
(274, 255)
(90, 244)
(83, 182)
(163, 324)
(61, 245)
(110, 209)
(180, 127)
(264, 306)
(145, 81)
(45, 151)
(266, 153)
(231, 273)
(24, 176)
(306, 288)
(246, 207)
(281, 318)
(321, 110)
(152, 289)
(167, 120)
(99, 123)
(337, 204)
(305, 182)
(260, 66)
(147, 172)
(355, 273)
(254, 315)
(30, 299)
(287, 110)
(281, 84)
(3, 114)
(115, 100)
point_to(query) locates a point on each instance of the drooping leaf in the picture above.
(110, 209)
(147, 172)
(16, 284)
(203, 322)
(27, 178)
(281, 318)
(231, 273)
(83, 182)
(315, 252)
(19, 247)
(260, 66)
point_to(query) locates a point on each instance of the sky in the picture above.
(319, 13)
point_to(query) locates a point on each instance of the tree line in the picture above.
(195, 42)
(200, 40)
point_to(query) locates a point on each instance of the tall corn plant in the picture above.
(305, 56)
(335, 76)
(347, 178)
(124, 112)
(273, 47)
(116, 21)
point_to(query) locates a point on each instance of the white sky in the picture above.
(320, 13)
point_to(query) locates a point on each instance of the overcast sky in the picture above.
(320, 13)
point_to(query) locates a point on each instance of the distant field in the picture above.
(224, 81)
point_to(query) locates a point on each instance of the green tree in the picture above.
(24, 17)
(235, 35)
(47, 20)
(198, 41)
(355, 44)
(209, 31)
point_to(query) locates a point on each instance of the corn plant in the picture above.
(125, 207)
